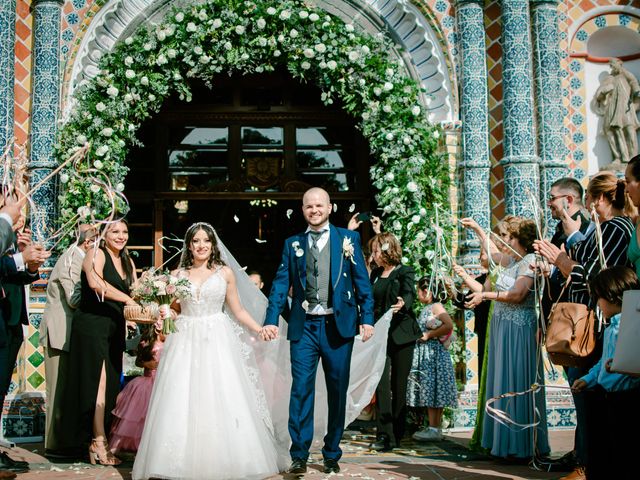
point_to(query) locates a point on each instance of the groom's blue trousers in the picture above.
(320, 340)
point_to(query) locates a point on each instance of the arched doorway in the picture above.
(239, 156)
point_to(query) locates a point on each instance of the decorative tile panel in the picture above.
(548, 88)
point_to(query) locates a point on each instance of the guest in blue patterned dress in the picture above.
(432, 382)
(514, 361)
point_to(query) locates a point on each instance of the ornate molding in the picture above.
(420, 52)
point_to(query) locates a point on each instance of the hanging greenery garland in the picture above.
(200, 41)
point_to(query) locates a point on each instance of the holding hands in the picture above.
(268, 333)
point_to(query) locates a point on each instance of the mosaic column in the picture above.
(548, 88)
(475, 165)
(520, 162)
(44, 112)
(7, 67)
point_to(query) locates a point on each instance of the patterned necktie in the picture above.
(315, 236)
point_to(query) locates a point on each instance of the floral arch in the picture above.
(198, 41)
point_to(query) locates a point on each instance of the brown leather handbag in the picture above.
(570, 339)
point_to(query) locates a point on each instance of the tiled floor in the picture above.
(448, 461)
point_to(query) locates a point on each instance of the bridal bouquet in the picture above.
(158, 288)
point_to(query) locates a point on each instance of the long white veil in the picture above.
(272, 361)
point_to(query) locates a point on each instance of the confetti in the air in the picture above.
(352, 208)
(235, 217)
(289, 212)
(260, 240)
(335, 207)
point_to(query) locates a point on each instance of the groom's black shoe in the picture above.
(331, 466)
(298, 466)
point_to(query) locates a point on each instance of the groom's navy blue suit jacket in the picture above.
(350, 286)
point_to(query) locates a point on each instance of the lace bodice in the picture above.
(206, 299)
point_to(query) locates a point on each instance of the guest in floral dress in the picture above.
(432, 382)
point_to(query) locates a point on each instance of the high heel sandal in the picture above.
(102, 457)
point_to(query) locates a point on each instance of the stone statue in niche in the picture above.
(617, 100)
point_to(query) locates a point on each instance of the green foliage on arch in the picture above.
(410, 174)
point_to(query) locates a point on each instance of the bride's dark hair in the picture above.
(186, 259)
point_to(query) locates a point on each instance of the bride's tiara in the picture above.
(202, 224)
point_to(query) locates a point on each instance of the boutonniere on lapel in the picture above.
(296, 248)
(348, 250)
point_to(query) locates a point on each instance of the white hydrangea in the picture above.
(332, 65)
(436, 134)
(239, 29)
(94, 188)
(179, 17)
(349, 27)
(305, 65)
(228, 46)
(261, 23)
(362, 82)
(285, 15)
(147, 46)
(244, 56)
(415, 219)
(309, 53)
(64, 178)
(84, 211)
(172, 53)
(365, 50)
(389, 136)
(102, 150)
(161, 60)
(277, 53)
(144, 81)
(202, 15)
(353, 55)
(271, 11)
(320, 48)
(281, 38)
(130, 74)
(198, 50)
(204, 59)
(388, 86)
(262, 41)
(386, 108)
(128, 40)
(293, 33)
(112, 91)
(303, 14)
(415, 110)
(395, 190)
(314, 17)
(191, 27)
(152, 97)
(423, 212)
(161, 35)
(81, 139)
(217, 23)
(397, 226)
(406, 140)
(389, 177)
(412, 187)
(377, 91)
(120, 187)
(98, 164)
(389, 72)
(107, 131)
(128, 60)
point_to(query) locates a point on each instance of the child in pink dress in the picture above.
(132, 402)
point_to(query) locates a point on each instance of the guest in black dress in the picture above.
(393, 287)
(96, 346)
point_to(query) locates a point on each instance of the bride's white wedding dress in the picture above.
(207, 417)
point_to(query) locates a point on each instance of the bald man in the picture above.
(331, 302)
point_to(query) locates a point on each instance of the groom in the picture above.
(332, 300)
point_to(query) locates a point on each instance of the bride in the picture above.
(207, 415)
(219, 406)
